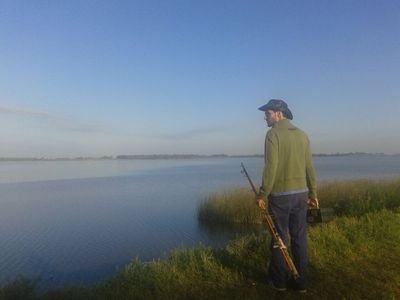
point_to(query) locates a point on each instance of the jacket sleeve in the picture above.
(271, 160)
(310, 173)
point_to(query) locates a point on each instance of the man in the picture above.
(289, 184)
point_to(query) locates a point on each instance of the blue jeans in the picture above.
(289, 213)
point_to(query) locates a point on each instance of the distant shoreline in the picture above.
(174, 156)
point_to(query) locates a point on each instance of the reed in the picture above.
(357, 197)
(347, 198)
(230, 206)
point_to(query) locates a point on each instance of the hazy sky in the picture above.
(93, 78)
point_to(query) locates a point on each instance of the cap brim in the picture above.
(265, 107)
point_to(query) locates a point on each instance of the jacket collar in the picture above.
(285, 123)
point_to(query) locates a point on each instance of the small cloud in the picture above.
(52, 120)
(192, 133)
(25, 112)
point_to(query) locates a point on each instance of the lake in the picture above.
(71, 222)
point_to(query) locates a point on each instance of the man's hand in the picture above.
(261, 203)
(313, 202)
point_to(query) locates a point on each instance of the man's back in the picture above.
(288, 159)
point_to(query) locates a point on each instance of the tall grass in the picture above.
(230, 206)
(347, 198)
(357, 197)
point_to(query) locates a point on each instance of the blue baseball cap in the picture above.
(278, 105)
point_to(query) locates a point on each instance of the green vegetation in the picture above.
(230, 206)
(347, 198)
(355, 198)
(355, 256)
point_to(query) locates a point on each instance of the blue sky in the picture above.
(93, 78)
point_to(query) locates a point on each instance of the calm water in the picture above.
(71, 222)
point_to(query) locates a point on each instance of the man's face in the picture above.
(271, 117)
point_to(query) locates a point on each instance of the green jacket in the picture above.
(288, 162)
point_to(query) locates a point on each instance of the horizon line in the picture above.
(176, 156)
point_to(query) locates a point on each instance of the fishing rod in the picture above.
(278, 242)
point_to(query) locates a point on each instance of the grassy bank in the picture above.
(350, 258)
(347, 198)
(355, 256)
